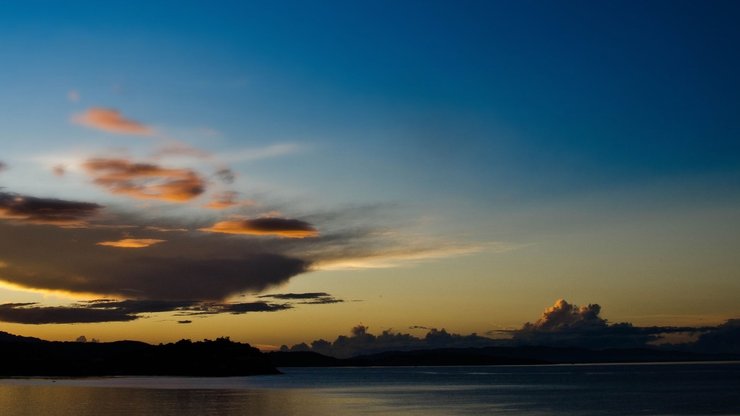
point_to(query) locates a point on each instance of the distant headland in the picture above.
(33, 357)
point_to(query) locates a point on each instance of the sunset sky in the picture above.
(279, 172)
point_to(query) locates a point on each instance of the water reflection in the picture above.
(685, 389)
(25, 400)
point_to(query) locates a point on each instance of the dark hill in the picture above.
(207, 358)
(524, 355)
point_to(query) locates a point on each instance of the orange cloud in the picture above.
(227, 200)
(145, 180)
(280, 227)
(112, 121)
(131, 243)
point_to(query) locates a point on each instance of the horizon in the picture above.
(281, 174)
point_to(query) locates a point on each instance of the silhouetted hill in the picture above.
(494, 356)
(207, 358)
(6, 337)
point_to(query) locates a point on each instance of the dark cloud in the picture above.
(724, 338)
(31, 313)
(186, 321)
(239, 308)
(568, 325)
(281, 227)
(292, 296)
(361, 342)
(167, 277)
(145, 180)
(45, 210)
(107, 310)
(131, 306)
(190, 265)
(311, 298)
(226, 175)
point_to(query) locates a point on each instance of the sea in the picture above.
(603, 389)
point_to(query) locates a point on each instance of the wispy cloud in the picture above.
(112, 121)
(226, 200)
(248, 155)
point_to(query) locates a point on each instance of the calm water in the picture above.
(647, 389)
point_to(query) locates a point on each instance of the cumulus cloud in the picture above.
(112, 121)
(361, 342)
(145, 180)
(35, 210)
(280, 227)
(131, 242)
(568, 325)
(724, 338)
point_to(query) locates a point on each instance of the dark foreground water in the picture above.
(645, 389)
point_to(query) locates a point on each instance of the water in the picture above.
(626, 389)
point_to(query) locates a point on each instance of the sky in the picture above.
(280, 172)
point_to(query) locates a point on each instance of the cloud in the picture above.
(59, 170)
(241, 308)
(361, 342)
(145, 180)
(107, 310)
(31, 313)
(226, 175)
(177, 148)
(568, 325)
(34, 210)
(724, 338)
(111, 121)
(3, 166)
(280, 227)
(563, 316)
(191, 265)
(131, 243)
(248, 155)
(311, 298)
(226, 200)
